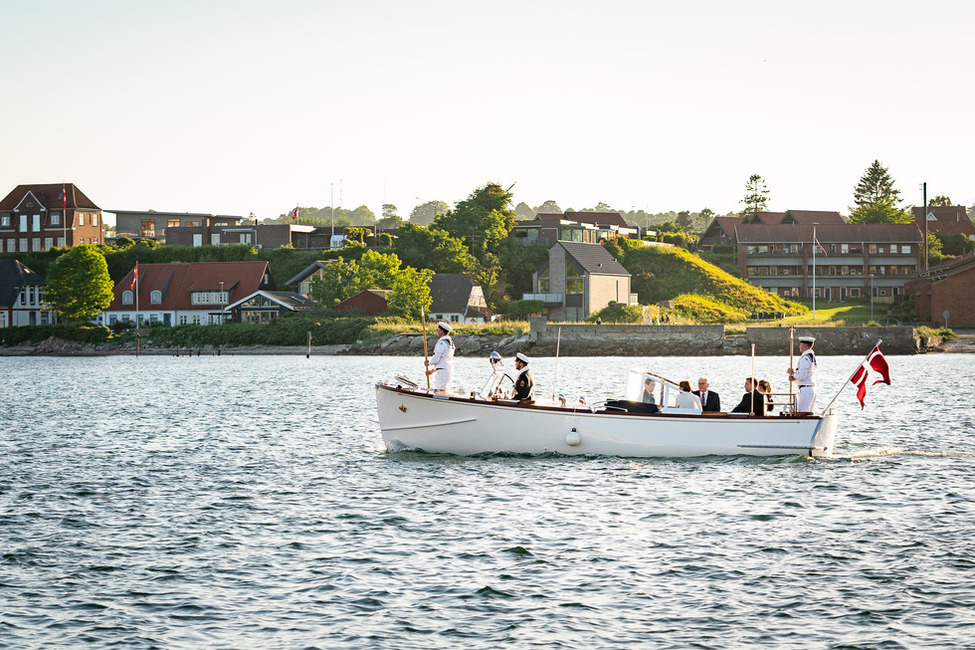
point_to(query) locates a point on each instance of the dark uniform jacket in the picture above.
(525, 386)
(753, 402)
(714, 402)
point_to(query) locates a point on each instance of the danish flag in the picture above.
(875, 361)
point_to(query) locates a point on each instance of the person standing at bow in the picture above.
(524, 382)
(441, 365)
(805, 375)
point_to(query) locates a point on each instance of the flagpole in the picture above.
(814, 274)
(64, 215)
(751, 395)
(792, 402)
(843, 387)
(426, 358)
(138, 334)
(558, 344)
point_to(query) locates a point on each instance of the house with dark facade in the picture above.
(946, 287)
(22, 296)
(35, 218)
(265, 236)
(578, 279)
(852, 260)
(458, 299)
(301, 282)
(149, 224)
(180, 293)
(263, 306)
(720, 232)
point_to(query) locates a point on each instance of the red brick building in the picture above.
(34, 218)
(946, 287)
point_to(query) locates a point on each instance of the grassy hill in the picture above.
(701, 292)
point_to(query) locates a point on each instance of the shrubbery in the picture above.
(93, 334)
(617, 312)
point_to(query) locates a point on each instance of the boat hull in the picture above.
(437, 424)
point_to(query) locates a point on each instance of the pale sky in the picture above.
(241, 106)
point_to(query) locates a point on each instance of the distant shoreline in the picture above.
(402, 346)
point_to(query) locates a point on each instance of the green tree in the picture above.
(336, 282)
(883, 211)
(431, 249)
(481, 220)
(955, 244)
(78, 284)
(941, 201)
(524, 211)
(935, 251)
(425, 213)
(756, 195)
(877, 199)
(377, 270)
(410, 291)
(684, 221)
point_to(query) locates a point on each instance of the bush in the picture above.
(703, 310)
(618, 313)
(92, 334)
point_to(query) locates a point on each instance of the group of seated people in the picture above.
(757, 399)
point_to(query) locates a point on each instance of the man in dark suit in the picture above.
(752, 402)
(709, 399)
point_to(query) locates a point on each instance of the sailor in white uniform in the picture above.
(441, 365)
(805, 375)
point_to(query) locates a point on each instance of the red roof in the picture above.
(176, 281)
(836, 233)
(49, 196)
(809, 217)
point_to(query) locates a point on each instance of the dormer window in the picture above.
(127, 297)
(55, 218)
(155, 297)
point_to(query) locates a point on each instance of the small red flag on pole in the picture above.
(135, 276)
(878, 362)
(294, 213)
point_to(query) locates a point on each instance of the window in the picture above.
(23, 223)
(60, 242)
(4, 220)
(906, 249)
(36, 222)
(127, 297)
(148, 228)
(172, 223)
(55, 218)
(832, 248)
(574, 282)
(81, 218)
(192, 224)
(454, 318)
(854, 292)
(182, 319)
(155, 297)
(23, 244)
(872, 249)
(543, 281)
(844, 249)
(35, 244)
(209, 297)
(48, 242)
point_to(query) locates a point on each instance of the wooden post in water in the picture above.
(308, 353)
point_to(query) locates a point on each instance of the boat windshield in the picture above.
(645, 386)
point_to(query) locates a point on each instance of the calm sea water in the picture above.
(247, 502)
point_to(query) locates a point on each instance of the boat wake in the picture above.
(876, 452)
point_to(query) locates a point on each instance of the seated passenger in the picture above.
(649, 385)
(765, 388)
(752, 402)
(686, 399)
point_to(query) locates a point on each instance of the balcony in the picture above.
(548, 299)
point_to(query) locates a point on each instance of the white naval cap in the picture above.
(807, 339)
(521, 357)
(445, 326)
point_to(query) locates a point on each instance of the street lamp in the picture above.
(871, 296)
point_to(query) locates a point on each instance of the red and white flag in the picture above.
(876, 361)
(64, 198)
(135, 276)
(816, 241)
(294, 213)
